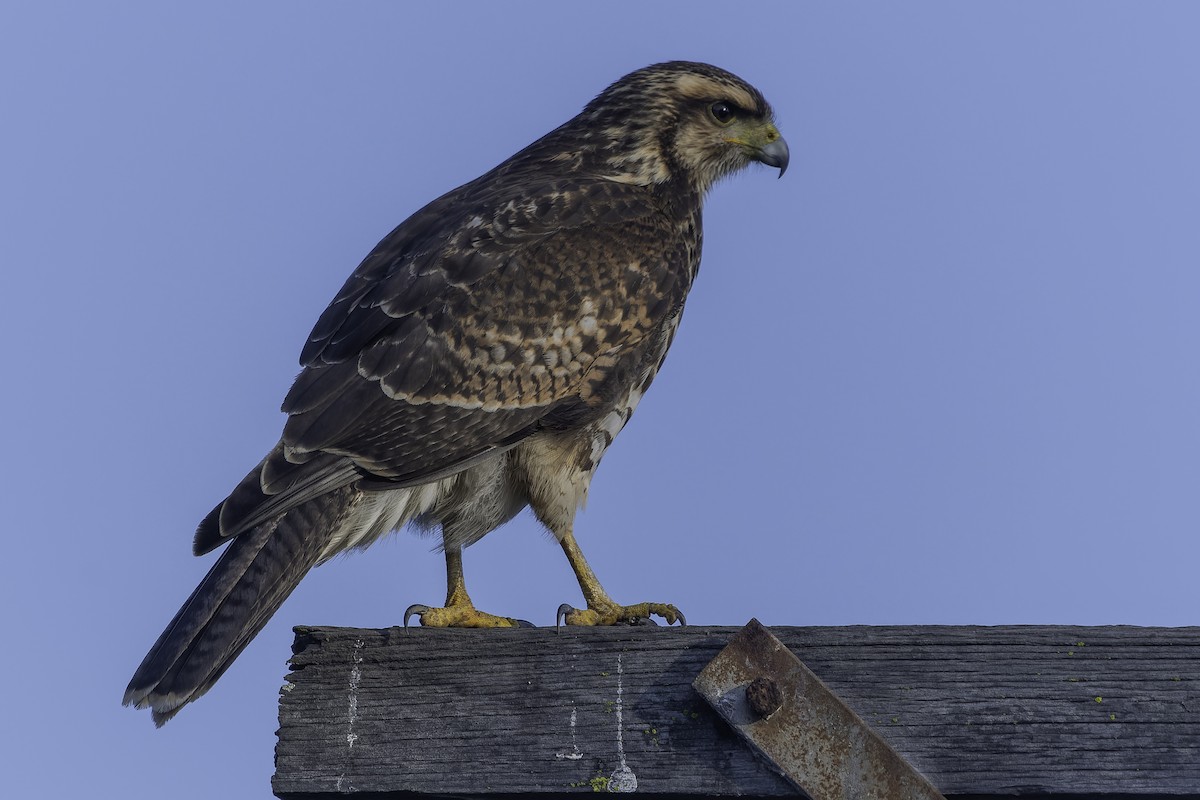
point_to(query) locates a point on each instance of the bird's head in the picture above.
(683, 119)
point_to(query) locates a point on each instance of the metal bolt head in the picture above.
(764, 697)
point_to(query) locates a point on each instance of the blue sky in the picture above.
(945, 371)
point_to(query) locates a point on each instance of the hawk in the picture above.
(481, 359)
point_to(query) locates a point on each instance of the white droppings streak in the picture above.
(355, 677)
(623, 779)
(575, 754)
(352, 706)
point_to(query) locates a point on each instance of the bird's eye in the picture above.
(722, 112)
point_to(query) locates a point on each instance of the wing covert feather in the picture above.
(472, 320)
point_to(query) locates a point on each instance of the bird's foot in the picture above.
(460, 615)
(609, 613)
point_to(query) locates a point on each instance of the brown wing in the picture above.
(490, 312)
(456, 341)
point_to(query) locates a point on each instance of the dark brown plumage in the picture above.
(479, 360)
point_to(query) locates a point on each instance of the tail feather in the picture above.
(272, 488)
(249, 582)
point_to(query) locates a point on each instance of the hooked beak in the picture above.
(774, 154)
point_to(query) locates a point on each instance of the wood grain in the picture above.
(1036, 711)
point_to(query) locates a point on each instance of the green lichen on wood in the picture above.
(597, 784)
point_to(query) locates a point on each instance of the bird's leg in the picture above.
(459, 611)
(601, 609)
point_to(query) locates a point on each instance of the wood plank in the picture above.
(1050, 711)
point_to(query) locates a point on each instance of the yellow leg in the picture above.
(459, 611)
(601, 610)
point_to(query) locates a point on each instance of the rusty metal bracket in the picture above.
(802, 728)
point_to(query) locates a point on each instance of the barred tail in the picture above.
(249, 582)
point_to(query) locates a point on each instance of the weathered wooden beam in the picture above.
(983, 712)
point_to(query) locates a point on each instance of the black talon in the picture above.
(682, 618)
(561, 615)
(415, 608)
